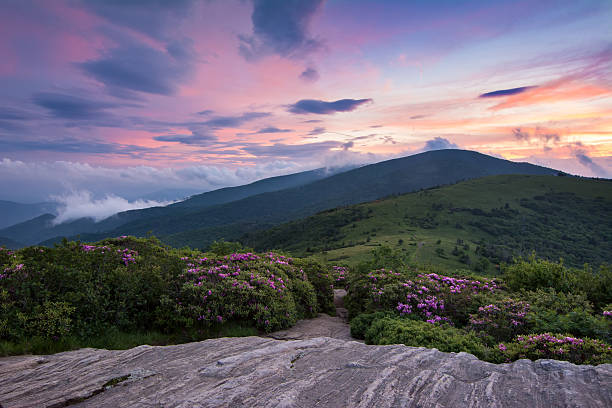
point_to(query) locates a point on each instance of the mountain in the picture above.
(9, 243)
(180, 224)
(42, 228)
(473, 224)
(169, 194)
(12, 213)
(33, 231)
(229, 194)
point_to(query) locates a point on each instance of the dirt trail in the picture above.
(322, 326)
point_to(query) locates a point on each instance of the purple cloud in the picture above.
(71, 107)
(273, 129)
(439, 143)
(280, 27)
(305, 106)
(310, 75)
(505, 92)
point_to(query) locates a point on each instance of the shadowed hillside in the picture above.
(41, 228)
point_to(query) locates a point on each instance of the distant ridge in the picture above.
(12, 213)
(39, 226)
(180, 224)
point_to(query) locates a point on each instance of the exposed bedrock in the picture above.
(322, 371)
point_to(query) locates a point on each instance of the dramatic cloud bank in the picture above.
(80, 204)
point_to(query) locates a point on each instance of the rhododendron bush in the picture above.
(558, 347)
(132, 284)
(427, 296)
(483, 316)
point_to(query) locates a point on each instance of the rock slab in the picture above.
(316, 372)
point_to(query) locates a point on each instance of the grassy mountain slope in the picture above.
(490, 218)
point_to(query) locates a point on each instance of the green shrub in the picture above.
(533, 274)
(558, 347)
(360, 324)
(305, 298)
(322, 280)
(500, 321)
(429, 296)
(597, 284)
(131, 285)
(572, 313)
(384, 257)
(416, 333)
(53, 321)
(222, 248)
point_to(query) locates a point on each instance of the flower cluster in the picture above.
(502, 320)
(383, 275)
(7, 251)
(278, 259)
(549, 338)
(507, 312)
(243, 257)
(11, 269)
(92, 248)
(340, 273)
(128, 256)
(459, 285)
(245, 286)
(557, 346)
(429, 295)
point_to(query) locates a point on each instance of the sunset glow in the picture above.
(207, 94)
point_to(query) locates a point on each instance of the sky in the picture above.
(118, 99)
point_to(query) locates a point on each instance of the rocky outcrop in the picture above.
(322, 372)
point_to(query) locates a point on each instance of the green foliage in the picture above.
(388, 330)
(501, 217)
(361, 323)
(53, 320)
(223, 248)
(558, 347)
(76, 292)
(305, 297)
(384, 257)
(500, 321)
(322, 280)
(113, 339)
(472, 314)
(534, 273)
(558, 312)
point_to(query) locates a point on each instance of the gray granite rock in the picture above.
(316, 372)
